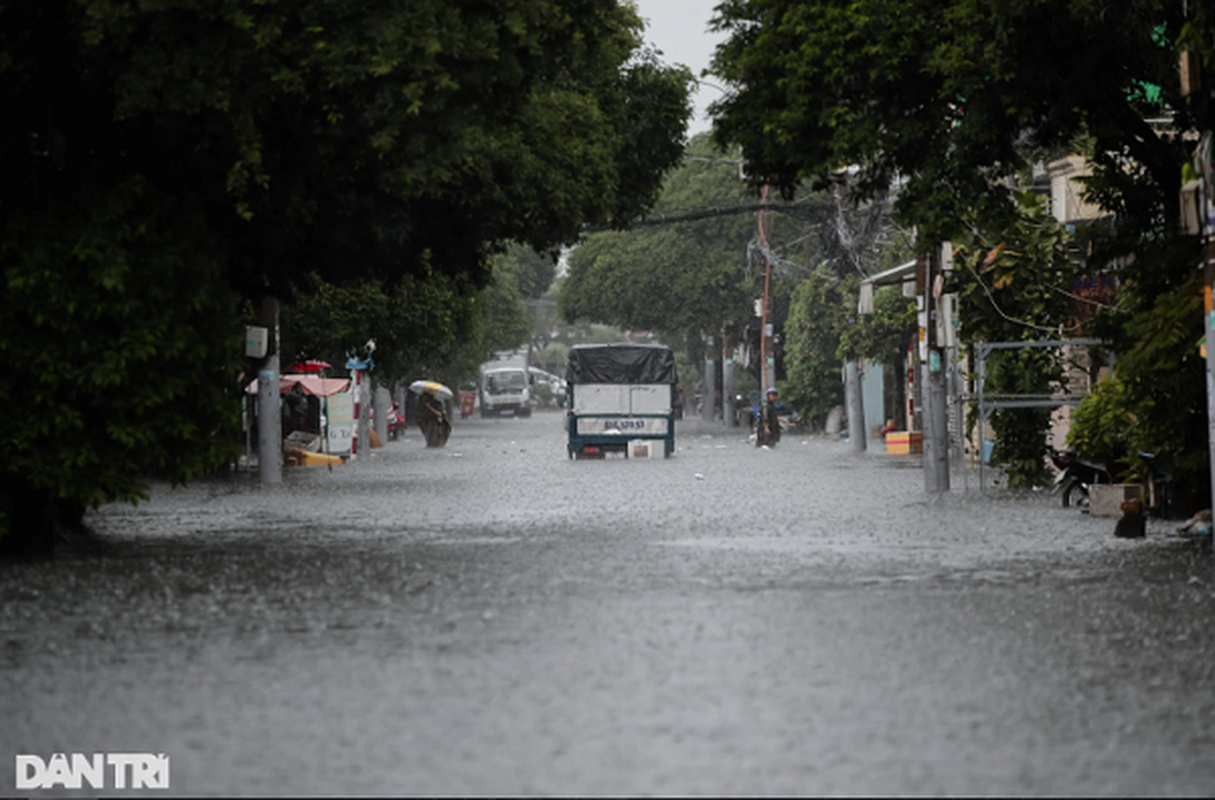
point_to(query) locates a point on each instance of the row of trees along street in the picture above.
(178, 171)
(422, 328)
(955, 103)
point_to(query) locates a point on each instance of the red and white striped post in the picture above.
(358, 396)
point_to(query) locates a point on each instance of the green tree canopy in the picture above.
(371, 138)
(950, 97)
(680, 278)
(534, 271)
(430, 325)
(1156, 401)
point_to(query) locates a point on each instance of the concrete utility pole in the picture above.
(767, 359)
(936, 424)
(856, 406)
(269, 408)
(727, 384)
(710, 390)
(382, 402)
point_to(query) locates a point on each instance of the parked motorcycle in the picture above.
(1075, 476)
(396, 422)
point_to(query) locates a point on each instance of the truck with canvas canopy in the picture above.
(620, 399)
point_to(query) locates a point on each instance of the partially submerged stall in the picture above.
(317, 418)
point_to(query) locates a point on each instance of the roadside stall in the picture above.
(317, 416)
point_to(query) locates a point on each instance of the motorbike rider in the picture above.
(768, 432)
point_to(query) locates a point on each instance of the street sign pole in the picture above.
(362, 418)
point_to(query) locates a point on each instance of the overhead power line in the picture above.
(706, 213)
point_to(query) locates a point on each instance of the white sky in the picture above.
(679, 28)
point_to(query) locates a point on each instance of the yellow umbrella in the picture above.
(431, 387)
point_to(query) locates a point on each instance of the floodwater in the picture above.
(492, 618)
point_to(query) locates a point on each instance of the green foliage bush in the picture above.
(121, 353)
(1102, 426)
(1155, 401)
(882, 336)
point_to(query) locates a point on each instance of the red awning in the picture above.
(311, 365)
(309, 384)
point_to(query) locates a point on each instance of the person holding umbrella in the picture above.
(432, 416)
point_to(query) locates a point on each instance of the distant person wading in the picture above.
(768, 433)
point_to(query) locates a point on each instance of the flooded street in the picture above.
(492, 618)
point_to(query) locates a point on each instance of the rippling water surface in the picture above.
(493, 618)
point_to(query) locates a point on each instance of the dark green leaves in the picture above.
(948, 96)
(122, 352)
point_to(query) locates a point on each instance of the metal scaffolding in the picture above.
(990, 402)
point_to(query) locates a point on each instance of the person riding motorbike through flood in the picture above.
(769, 423)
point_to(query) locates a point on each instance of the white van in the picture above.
(506, 391)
